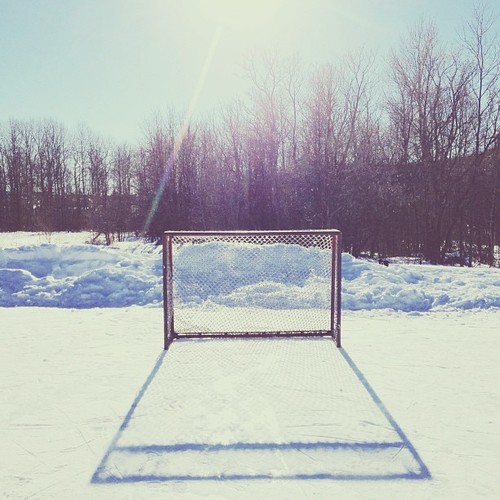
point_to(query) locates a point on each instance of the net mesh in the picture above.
(272, 283)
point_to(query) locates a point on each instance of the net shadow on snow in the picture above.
(375, 447)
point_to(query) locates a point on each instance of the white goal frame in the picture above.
(332, 236)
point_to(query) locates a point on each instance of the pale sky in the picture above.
(111, 64)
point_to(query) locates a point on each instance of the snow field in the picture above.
(278, 408)
(92, 408)
(70, 377)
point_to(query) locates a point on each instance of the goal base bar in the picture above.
(235, 335)
(319, 333)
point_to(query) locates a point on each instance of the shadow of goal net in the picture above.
(252, 283)
(261, 408)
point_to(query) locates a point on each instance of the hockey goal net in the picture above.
(252, 283)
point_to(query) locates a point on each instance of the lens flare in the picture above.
(184, 127)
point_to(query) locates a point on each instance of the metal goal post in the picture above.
(252, 284)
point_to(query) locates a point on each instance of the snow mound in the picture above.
(80, 276)
(86, 276)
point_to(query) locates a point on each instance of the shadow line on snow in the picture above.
(100, 475)
(424, 471)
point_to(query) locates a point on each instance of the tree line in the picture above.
(404, 162)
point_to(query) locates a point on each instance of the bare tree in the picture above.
(122, 197)
(482, 44)
(51, 176)
(263, 139)
(429, 115)
(98, 154)
(337, 138)
(17, 160)
(157, 175)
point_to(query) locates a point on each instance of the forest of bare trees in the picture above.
(402, 156)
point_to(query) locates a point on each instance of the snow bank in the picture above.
(78, 275)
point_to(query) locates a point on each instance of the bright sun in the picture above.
(246, 14)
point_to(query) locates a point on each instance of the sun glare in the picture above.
(243, 14)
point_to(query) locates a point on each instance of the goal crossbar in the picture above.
(191, 259)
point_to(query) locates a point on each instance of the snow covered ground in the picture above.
(93, 408)
(62, 270)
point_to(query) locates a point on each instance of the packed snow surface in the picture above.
(64, 271)
(92, 407)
